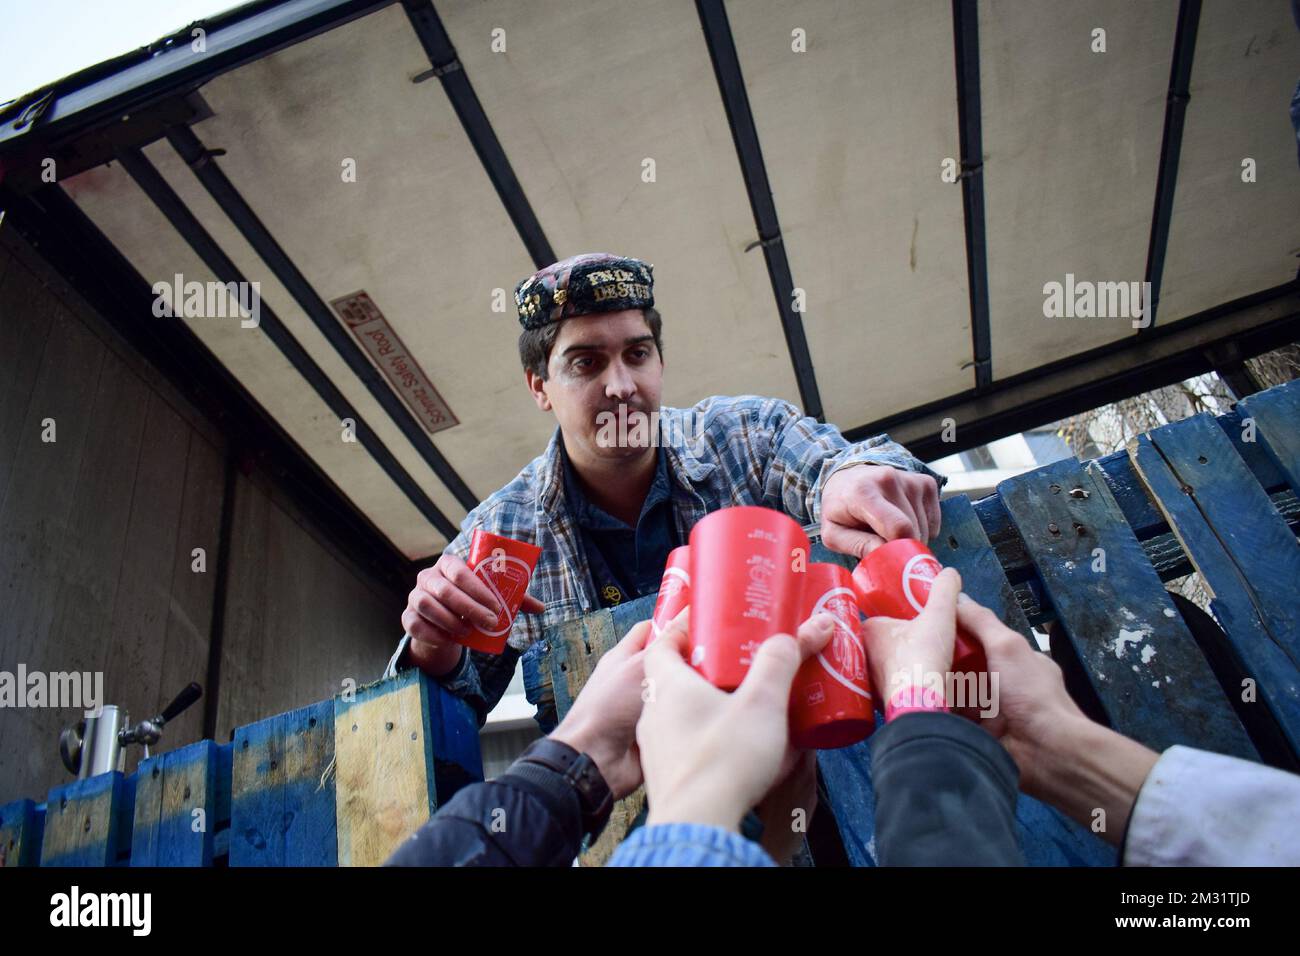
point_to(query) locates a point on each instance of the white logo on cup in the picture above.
(675, 581)
(514, 576)
(920, 569)
(850, 667)
(697, 656)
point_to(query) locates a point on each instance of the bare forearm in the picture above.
(1089, 769)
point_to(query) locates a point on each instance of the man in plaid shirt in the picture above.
(624, 480)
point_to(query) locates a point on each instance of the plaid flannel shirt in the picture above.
(724, 451)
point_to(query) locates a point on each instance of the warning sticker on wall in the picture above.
(360, 314)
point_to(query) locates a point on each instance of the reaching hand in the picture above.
(864, 506)
(447, 600)
(919, 651)
(602, 721)
(710, 756)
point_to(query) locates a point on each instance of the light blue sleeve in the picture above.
(688, 844)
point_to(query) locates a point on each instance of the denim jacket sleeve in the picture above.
(688, 844)
(802, 453)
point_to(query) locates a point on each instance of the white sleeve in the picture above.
(1197, 808)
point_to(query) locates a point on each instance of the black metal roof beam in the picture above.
(87, 260)
(201, 161)
(455, 82)
(965, 29)
(1254, 324)
(1171, 146)
(173, 207)
(731, 84)
(105, 92)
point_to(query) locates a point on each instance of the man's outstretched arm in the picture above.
(861, 494)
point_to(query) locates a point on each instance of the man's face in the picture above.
(599, 363)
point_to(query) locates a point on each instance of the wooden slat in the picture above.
(575, 648)
(384, 766)
(616, 830)
(457, 755)
(282, 803)
(169, 789)
(630, 613)
(1123, 628)
(1049, 838)
(49, 556)
(282, 574)
(846, 774)
(1247, 557)
(21, 827)
(1145, 519)
(142, 599)
(24, 327)
(962, 544)
(85, 821)
(146, 839)
(1276, 415)
(1254, 452)
(576, 645)
(185, 645)
(248, 676)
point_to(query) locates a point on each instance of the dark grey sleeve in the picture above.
(945, 794)
(529, 816)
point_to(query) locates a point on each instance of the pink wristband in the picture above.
(914, 698)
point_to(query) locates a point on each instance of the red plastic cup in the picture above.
(830, 701)
(505, 566)
(743, 588)
(895, 581)
(674, 591)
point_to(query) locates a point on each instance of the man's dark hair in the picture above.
(535, 344)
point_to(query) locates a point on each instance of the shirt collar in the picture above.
(678, 461)
(590, 515)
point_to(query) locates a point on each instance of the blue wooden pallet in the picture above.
(22, 828)
(271, 797)
(1121, 639)
(338, 782)
(182, 799)
(1047, 837)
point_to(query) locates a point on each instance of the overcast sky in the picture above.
(43, 40)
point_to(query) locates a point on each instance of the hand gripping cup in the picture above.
(743, 588)
(674, 591)
(505, 566)
(894, 581)
(830, 702)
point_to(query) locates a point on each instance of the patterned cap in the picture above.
(583, 285)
